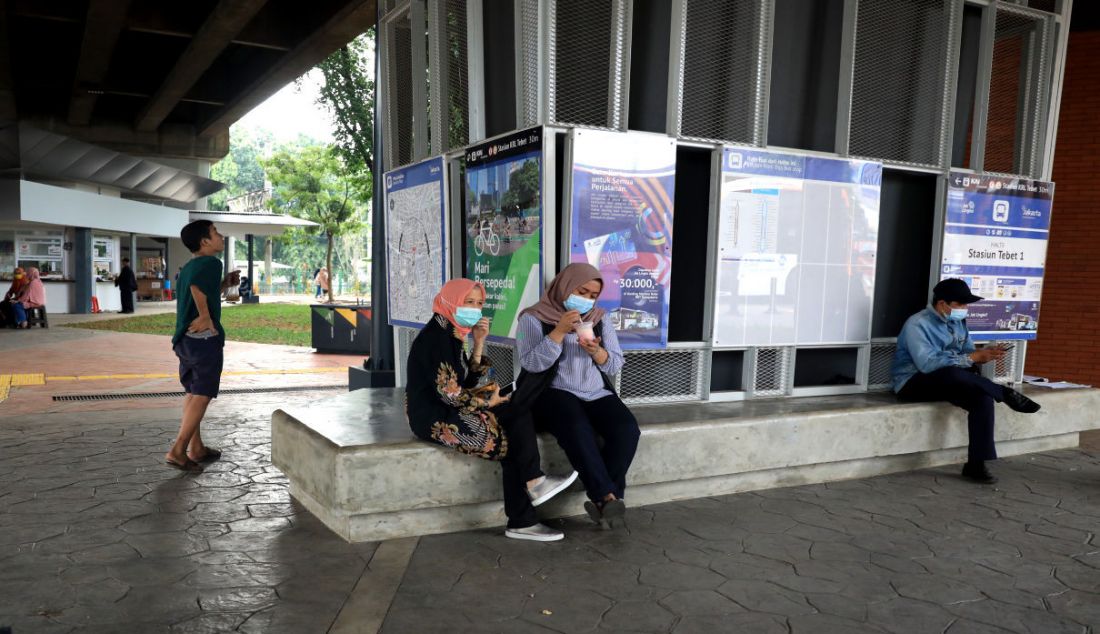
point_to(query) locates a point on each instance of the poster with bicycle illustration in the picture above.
(621, 223)
(416, 255)
(503, 224)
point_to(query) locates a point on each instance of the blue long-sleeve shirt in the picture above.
(577, 372)
(929, 341)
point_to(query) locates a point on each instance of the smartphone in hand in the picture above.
(508, 389)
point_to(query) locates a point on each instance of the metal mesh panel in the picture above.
(1017, 94)
(447, 59)
(773, 372)
(527, 62)
(587, 62)
(879, 376)
(399, 91)
(662, 376)
(405, 337)
(1004, 370)
(1050, 6)
(724, 58)
(503, 359)
(901, 80)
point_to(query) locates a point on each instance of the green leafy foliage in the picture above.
(313, 183)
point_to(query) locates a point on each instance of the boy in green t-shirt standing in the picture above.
(199, 339)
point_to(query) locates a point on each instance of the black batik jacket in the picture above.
(441, 378)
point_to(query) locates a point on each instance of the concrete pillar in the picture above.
(134, 261)
(83, 271)
(230, 254)
(267, 263)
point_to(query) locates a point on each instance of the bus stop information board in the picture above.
(797, 240)
(995, 239)
(416, 256)
(502, 219)
(623, 185)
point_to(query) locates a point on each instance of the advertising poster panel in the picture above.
(416, 258)
(797, 240)
(503, 224)
(995, 238)
(621, 223)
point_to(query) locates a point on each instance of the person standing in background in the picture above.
(127, 284)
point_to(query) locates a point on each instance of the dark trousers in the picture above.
(578, 425)
(127, 301)
(963, 388)
(519, 465)
(515, 430)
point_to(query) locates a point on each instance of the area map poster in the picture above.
(995, 239)
(621, 223)
(796, 248)
(503, 224)
(415, 240)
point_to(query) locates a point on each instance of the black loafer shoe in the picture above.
(1019, 402)
(979, 474)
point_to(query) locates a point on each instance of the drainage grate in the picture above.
(239, 390)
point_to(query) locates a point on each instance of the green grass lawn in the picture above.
(286, 324)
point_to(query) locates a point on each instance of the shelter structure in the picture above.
(938, 102)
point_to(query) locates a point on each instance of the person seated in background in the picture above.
(937, 361)
(33, 295)
(7, 313)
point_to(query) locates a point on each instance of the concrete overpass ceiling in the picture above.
(156, 77)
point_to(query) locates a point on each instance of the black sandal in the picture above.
(211, 455)
(189, 465)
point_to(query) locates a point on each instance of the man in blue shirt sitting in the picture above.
(937, 361)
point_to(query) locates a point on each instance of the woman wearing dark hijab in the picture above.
(445, 406)
(7, 312)
(565, 332)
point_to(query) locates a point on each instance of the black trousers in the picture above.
(578, 425)
(963, 388)
(515, 430)
(520, 464)
(127, 301)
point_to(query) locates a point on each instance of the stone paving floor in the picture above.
(97, 536)
(910, 552)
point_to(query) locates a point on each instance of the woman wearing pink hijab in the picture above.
(33, 295)
(444, 405)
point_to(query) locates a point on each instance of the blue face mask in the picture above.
(958, 314)
(467, 316)
(580, 304)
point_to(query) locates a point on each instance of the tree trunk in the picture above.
(328, 264)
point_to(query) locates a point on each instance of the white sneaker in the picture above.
(535, 533)
(549, 487)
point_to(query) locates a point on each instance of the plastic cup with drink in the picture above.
(584, 331)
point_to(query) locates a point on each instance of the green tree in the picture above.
(348, 94)
(241, 170)
(523, 189)
(313, 183)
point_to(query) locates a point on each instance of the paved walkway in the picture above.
(44, 363)
(96, 535)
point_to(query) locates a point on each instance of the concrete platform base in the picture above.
(353, 463)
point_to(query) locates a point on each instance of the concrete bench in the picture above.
(353, 462)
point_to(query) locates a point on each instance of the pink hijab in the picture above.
(551, 306)
(33, 294)
(451, 296)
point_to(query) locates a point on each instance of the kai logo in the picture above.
(735, 160)
(1000, 211)
(389, 181)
